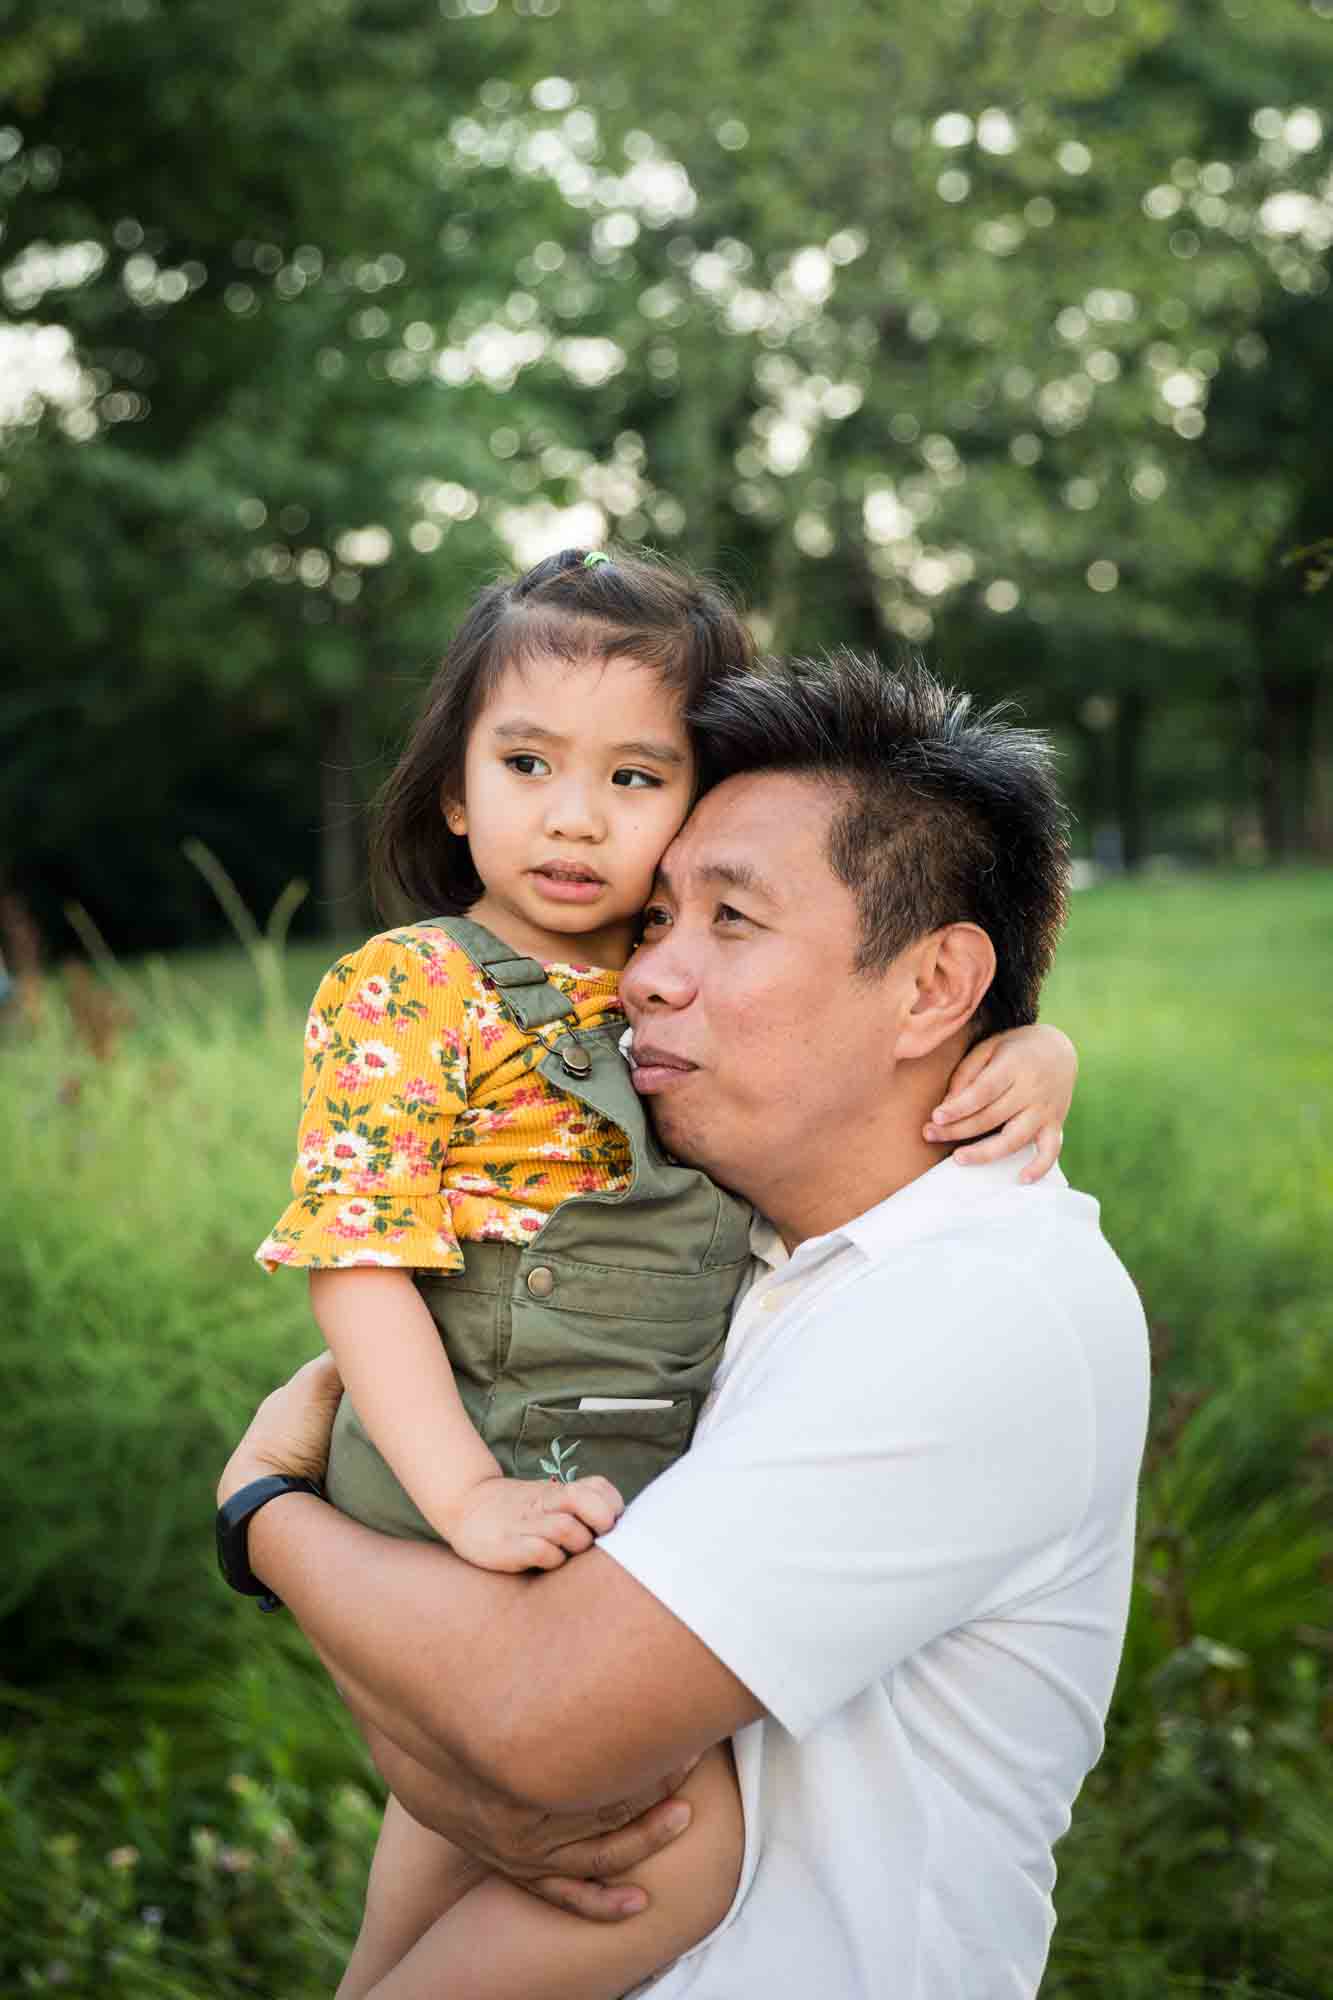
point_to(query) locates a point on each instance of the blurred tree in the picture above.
(222, 490)
(999, 327)
(1004, 258)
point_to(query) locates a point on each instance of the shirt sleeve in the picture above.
(385, 1076)
(912, 1456)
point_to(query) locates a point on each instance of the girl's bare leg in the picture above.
(500, 1943)
(415, 1877)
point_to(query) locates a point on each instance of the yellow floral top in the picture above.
(424, 1118)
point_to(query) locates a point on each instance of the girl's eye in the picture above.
(635, 779)
(528, 764)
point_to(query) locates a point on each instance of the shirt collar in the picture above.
(766, 1245)
(934, 1200)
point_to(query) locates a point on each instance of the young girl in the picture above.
(525, 1297)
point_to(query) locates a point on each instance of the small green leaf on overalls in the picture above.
(555, 1465)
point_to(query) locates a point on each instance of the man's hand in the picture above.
(290, 1430)
(517, 1524)
(568, 1859)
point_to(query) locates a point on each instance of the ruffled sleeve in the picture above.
(385, 1076)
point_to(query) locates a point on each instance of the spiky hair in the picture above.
(942, 814)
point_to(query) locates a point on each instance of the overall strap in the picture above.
(528, 993)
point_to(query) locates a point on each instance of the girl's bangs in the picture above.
(528, 634)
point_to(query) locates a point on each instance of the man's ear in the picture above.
(953, 971)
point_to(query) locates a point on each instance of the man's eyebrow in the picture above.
(738, 875)
(657, 753)
(729, 874)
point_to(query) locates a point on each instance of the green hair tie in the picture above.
(595, 558)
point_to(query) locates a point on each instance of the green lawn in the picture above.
(169, 1753)
(1204, 1117)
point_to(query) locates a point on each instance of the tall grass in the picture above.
(183, 1810)
(1200, 1855)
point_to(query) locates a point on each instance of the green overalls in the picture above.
(625, 1294)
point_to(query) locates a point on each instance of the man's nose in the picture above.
(572, 814)
(659, 975)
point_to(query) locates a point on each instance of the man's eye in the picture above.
(655, 917)
(635, 780)
(726, 913)
(528, 764)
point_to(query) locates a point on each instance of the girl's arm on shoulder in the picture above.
(1017, 1087)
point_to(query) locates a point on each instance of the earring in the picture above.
(455, 819)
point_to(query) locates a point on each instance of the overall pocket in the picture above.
(628, 1447)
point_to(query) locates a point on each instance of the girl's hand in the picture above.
(1022, 1083)
(516, 1524)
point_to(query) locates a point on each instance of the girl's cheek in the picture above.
(682, 806)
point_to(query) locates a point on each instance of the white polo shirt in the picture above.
(906, 1524)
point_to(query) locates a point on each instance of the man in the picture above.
(895, 1564)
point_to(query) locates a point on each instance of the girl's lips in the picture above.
(568, 886)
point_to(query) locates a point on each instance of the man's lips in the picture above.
(653, 1069)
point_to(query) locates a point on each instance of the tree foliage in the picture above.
(1001, 329)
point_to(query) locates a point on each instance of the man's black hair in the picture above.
(942, 815)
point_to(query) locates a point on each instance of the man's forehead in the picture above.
(751, 832)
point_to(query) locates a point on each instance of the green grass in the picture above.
(1204, 1117)
(149, 1711)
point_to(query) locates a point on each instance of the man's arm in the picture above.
(874, 1488)
(570, 1688)
(575, 1861)
(574, 1687)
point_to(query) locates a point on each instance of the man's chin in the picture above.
(681, 1135)
(693, 1140)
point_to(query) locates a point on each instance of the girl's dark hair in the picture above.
(633, 606)
(941, 815)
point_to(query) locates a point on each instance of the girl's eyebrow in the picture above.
(657, 753)
(518, 726)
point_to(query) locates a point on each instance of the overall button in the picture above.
(576, 1061)
(541, 1282)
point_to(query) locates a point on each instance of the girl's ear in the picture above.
(455, 817)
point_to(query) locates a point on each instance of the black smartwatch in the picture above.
(233, 1531)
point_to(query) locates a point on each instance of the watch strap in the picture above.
(233, 1531)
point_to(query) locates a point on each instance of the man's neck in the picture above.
(883, 1156)
(796, 1221)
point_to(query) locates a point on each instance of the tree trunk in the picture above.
(343, 892)
(1321, 800)
(1287, 706)
(1127, 776)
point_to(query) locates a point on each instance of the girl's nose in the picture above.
(572, 815)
